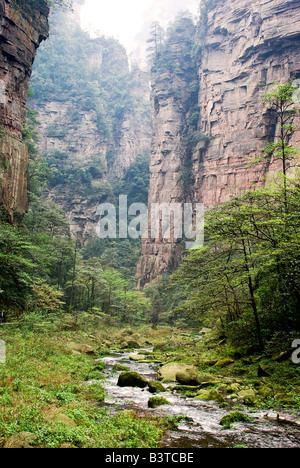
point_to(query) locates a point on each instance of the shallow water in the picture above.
(203, 429)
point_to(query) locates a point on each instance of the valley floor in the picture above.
(53, 389)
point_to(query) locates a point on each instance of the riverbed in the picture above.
(201, 426)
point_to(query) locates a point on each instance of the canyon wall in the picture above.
(95, 118)
(244, 46)
(248, 45)
(22, 28)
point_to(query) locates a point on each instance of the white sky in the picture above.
(122, 19)
(126, 19)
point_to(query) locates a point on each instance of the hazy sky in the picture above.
(127, 20)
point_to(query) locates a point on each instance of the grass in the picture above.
(44, 391)
(45, 388)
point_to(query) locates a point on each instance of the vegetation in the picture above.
(66, 304)
(245, 277)
(44, 391)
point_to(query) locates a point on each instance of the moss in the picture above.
(234, 417)
(154, 402)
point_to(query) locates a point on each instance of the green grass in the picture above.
(43, 381)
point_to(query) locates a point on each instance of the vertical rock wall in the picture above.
(246, 46)
(23, 26)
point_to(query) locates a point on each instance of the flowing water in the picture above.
(202, 429)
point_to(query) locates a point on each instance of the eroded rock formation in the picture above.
(22, 28)
(246, 46)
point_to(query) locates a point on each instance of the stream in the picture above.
(203, 429)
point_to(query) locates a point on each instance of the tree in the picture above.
(282, 100)
(156, 41)
(248, 265)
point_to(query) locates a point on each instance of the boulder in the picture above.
(168, 372)
(211, 395)
(120, 368)
(138, 357)
(284, 356)
(154, 402)
(248, 397)
(82, 348)
(132, 379)
(262, 372)
(156, 387)
(205, 331)
(60, 418)
(22, 440)
(190, 377)
(133, 344)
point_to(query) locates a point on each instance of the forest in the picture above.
(207, 351)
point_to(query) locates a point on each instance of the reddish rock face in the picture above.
(247, 46)
(21, 31)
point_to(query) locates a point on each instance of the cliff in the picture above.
(244, 46)
(247, 46)
(22, 28)
(173, 99)
(95, 118)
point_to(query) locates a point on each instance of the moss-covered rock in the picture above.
(234, 417)
(211, 395)
(21, 440)
(156, 387)
(138, 357)
(120, 368)
(169, 372)
(154, 402)
(248, 397)
(132, 379)
(190, 377)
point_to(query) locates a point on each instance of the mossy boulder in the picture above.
(248, 397)
(120, 368)
(155, 402)
(132, 379)
(133, 344)
(169, 372)
(234, 417)
(190, 377)
(82, 348)
(283, 398)
(210, 395)
(156, 387)
(138, 357)
(61, 419)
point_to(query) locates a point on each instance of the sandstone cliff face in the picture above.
(21, 32)
(94, 123)
(246, 46)
(171, 101)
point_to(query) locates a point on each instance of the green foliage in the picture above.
(234, 417)
(64, 71)
(246, 277)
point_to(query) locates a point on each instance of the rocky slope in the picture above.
(245, 46)
(22, 29)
